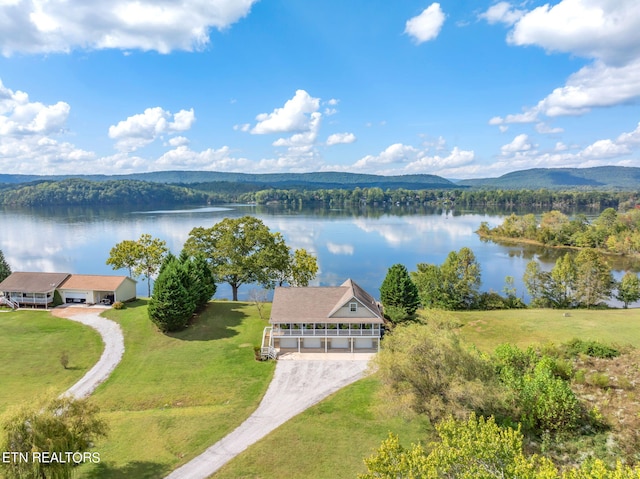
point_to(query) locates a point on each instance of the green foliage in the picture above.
(57, 298)
(5, 269)
(453, 285)
(398, 294)
(478, 449)
(142, 257)
(171, 306)
(594, 281)
(60, 426)
(76, 191)
(628, 289)
(243, 250)
(428, 371)
(594, 349)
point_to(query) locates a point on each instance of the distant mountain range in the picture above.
(601, 177)
(605, 177)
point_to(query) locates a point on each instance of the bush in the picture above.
(594, 349)
(118, 305)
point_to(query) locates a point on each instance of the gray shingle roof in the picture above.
(322, 304)
(33, 282)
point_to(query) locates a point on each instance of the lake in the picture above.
(352, 243)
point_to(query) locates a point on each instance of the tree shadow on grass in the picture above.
(216, 321)
(137, 469)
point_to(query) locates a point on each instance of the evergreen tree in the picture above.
(5, 270)
(171, 306)
(399, 294)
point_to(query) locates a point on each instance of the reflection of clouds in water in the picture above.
(345, 249)
(399, 230)
(297, 234)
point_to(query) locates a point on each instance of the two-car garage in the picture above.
(96, 289)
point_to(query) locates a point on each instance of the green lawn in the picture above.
(328, 440)
(30, 347)
(487, 329)
(172, 396)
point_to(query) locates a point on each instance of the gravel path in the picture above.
(297, 384)
(113, 347)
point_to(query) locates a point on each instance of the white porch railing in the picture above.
(267, 350)
(8, 302)
(374, 332)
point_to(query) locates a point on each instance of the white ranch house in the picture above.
(24, 289)
(343, 318)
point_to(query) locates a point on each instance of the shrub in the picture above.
(118, 305)
(594, 349)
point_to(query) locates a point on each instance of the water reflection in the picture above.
(357, 242)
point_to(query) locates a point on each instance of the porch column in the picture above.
(299, 341)
(351, 340)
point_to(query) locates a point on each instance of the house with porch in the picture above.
(36, 289)
(341, 318)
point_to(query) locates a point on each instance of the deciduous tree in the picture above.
(628, 289)
(58, 426)
(594, 281)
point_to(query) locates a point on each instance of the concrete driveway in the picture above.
(299, 381)
(112, 337)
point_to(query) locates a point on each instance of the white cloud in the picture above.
(546, 129)
(210, 159)
(141, 129)
(427, 25)
(340, 138)
(502, 12)
(242, 127)
(606, 31)
(294, 116)
(35, 26)
(178, 141)
(519, 143)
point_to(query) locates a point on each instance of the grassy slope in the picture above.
(173, 396)
(30, 347)
(487, 329)
(328, 440)
(331, 439)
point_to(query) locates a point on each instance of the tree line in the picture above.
(576, 280)
(611, 231)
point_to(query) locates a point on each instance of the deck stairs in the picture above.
(8, 302)
(267, 350)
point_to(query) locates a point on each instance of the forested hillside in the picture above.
(84, 192)
(603, 177)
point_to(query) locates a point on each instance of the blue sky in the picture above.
(459, 88)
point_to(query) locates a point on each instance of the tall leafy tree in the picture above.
(141, 257)
(562, 282)
(5, 270)
(240, 251)
(61, 426)
(398, 294)
(125, 254)
(461, 273)
(304, 267)
(594, 281)
(536, 281)
(628, 289)
(429, 281)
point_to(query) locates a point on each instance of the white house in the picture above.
(343, 318)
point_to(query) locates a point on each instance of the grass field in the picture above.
(487, 329)
(174, 395)
(31, 344)
(328, 440)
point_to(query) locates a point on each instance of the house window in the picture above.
(353, 307)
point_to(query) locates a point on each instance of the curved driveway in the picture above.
(113, 347)
(296, 385)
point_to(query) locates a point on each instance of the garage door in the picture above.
(340, 343)
(289, 343)
(364, 343)
(312, 342)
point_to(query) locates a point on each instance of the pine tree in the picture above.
(5, 270)
(399, 295)
(171, 306)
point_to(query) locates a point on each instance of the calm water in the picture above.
(359, 244)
